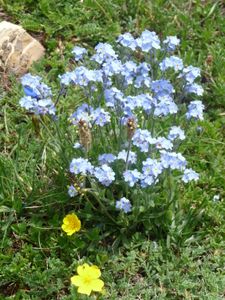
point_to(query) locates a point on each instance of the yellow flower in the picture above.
(87, 279)
(71, 224)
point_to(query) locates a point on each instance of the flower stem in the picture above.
(128, 153)
(61, 92)
(171, 189)
(102, 206)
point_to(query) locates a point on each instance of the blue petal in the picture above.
(29, 92)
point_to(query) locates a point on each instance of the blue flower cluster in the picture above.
(173, 62)
(104, 174)
(170, 43)
(79, 53)
(72, 191)
(195, 110)
(37, 97)
(81, 76)
(129, 93)
(81, 166)
(124, 205)
(106, 158)
(90, 115)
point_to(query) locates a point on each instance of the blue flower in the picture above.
(131, 102)
(147, 181)
(79, 52)
(77, 146)
(84, 113)
(67, 78)
(127, 40)
(195, 110)
(30, 80)
(127, 115)
(28, 91)
(106, 158)
(104, 174)
(163, 143)
(113, 97)
(84, 76)
(129, 71)
(37, 99)
(152, 167)
(124, 205)
(173, 160)
(34, 88)
(142, 138)
(144, 101)
(45, 106)
(143, 69)
(104, 52)
(190, 73)
(132, 177)
(100, 116)
(81, 166)
(30, 84)
(132, 157)
(81, 76)
(112, 67)
(142, 75)
(165, 106)
(176, 133)
(147, 102)
(72, 191)
(171, 62)
(162, 87)
(194, 88)
(171, 42)
(142, 81)
(189, 175)
(151, 170)
(148, 41)
(28, 102)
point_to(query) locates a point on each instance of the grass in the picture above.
(37, 260)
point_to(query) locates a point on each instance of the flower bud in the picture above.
(85, 135)
(131, 126)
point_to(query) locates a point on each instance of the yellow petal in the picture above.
(70, 232)
(82, 269)
(64, 227)
(66, 220)
(84, 289)
(94, 272)
(97, 285)
(71, 217)
(76, 280)
(78, 225)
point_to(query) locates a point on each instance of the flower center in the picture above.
(87, 280)
(72, 225)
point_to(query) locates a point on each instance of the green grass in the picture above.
(37, 259)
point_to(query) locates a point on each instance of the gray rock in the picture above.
(18, 49)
